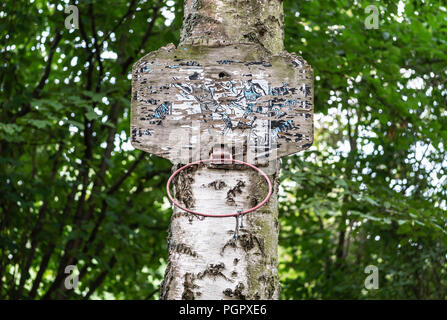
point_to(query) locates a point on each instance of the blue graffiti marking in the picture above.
(252, 94)
(162, 110)
(283, 127)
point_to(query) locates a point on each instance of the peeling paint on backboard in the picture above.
(182, 107)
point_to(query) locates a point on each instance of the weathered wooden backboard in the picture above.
(187, 100)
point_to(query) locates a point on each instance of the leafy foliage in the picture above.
(372, 189)
(72, 190)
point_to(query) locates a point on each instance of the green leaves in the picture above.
(65, 186)
(77, 124)
(365, 189)
(40, 124)
(54, 104)
(366, 180)
(91, 115)
(10, 128)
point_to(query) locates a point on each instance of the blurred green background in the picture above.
(370, 191)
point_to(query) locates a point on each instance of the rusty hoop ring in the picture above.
(226, 161)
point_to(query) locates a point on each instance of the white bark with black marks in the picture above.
(206, 261)
(224, 22)
(228, 82)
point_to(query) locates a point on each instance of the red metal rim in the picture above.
(226, 161)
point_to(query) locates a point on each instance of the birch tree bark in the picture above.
(207, 260)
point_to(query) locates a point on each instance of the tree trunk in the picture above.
(225, 22)
(208, 257)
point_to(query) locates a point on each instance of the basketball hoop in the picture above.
(220, 160)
